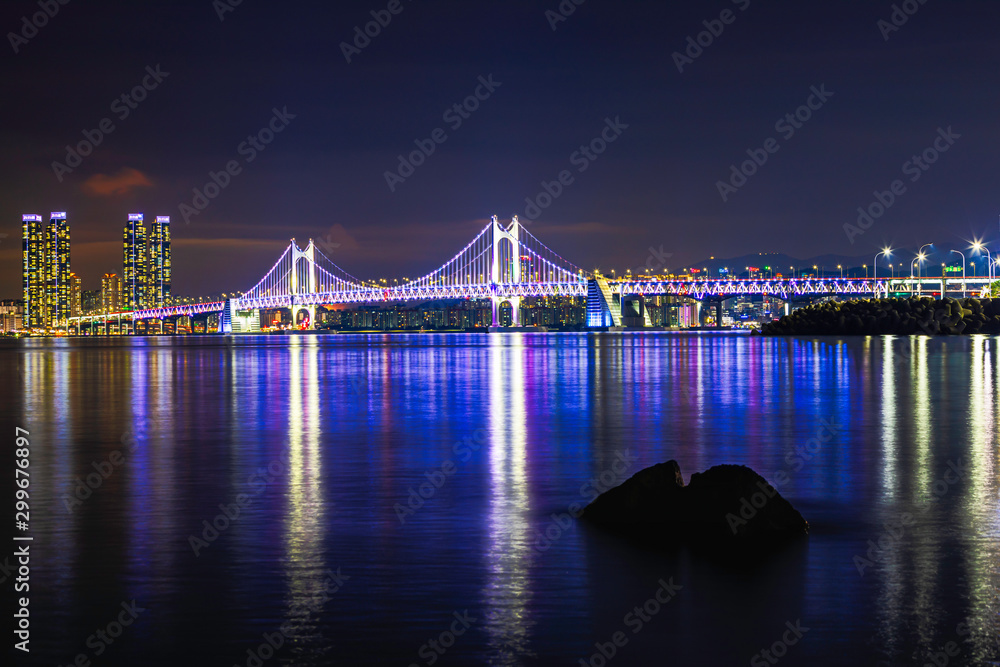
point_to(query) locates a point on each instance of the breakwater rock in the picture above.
(902, 317)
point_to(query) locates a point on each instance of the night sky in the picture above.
(553, 91)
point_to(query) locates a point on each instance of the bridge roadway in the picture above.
(709, 290)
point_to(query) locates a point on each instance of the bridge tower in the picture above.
(498, 271)
(309, 254)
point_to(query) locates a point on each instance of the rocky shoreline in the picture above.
(900, 317)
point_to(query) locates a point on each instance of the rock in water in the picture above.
(727, 503)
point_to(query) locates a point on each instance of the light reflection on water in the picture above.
(354, 422)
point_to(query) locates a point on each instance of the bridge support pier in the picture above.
(515, 306)
(312, 316)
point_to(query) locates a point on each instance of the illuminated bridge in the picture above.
(504, 264)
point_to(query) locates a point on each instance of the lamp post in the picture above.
(841, 271)
(918, 258)
(979, 247)
(923, 257)
(888, 253)
(866, 270)
(963, 272)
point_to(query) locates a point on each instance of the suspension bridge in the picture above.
(503, 264)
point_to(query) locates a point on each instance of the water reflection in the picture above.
(305, 565)
(508, 553)
(208, 413)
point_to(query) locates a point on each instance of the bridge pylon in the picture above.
(506, 268)
(310, 287)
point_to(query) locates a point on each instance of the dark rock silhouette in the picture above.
(726, 504)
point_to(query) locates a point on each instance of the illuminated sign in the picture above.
(60, 215)
(31, 218)
(135, 217)
(163, 218)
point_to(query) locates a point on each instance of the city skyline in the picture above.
(690, 126)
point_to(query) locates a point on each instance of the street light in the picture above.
(865, 266)
(963, 272)
(919, 258)
(841, 271)
(887, 251)
(921, 252)
(979, 247)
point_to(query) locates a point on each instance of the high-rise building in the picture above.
(11, 315)
(91, 302)
(135, 265)
(75, 295)
(34, 271)
(159, 262)
(111, 293)
(57, 284)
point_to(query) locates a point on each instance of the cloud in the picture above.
(337, 239)
(121, 183)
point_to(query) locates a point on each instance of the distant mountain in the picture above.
(853, 265)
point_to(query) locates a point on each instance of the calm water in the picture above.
(326, 440)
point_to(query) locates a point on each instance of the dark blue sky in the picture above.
(656, 185)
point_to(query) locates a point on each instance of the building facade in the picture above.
(159, 260)
(11, 316)
(135, 264)
(75, 295)
(45, 271)
(34, 270)
(111, 294)
(91, 302)
(58, 288)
